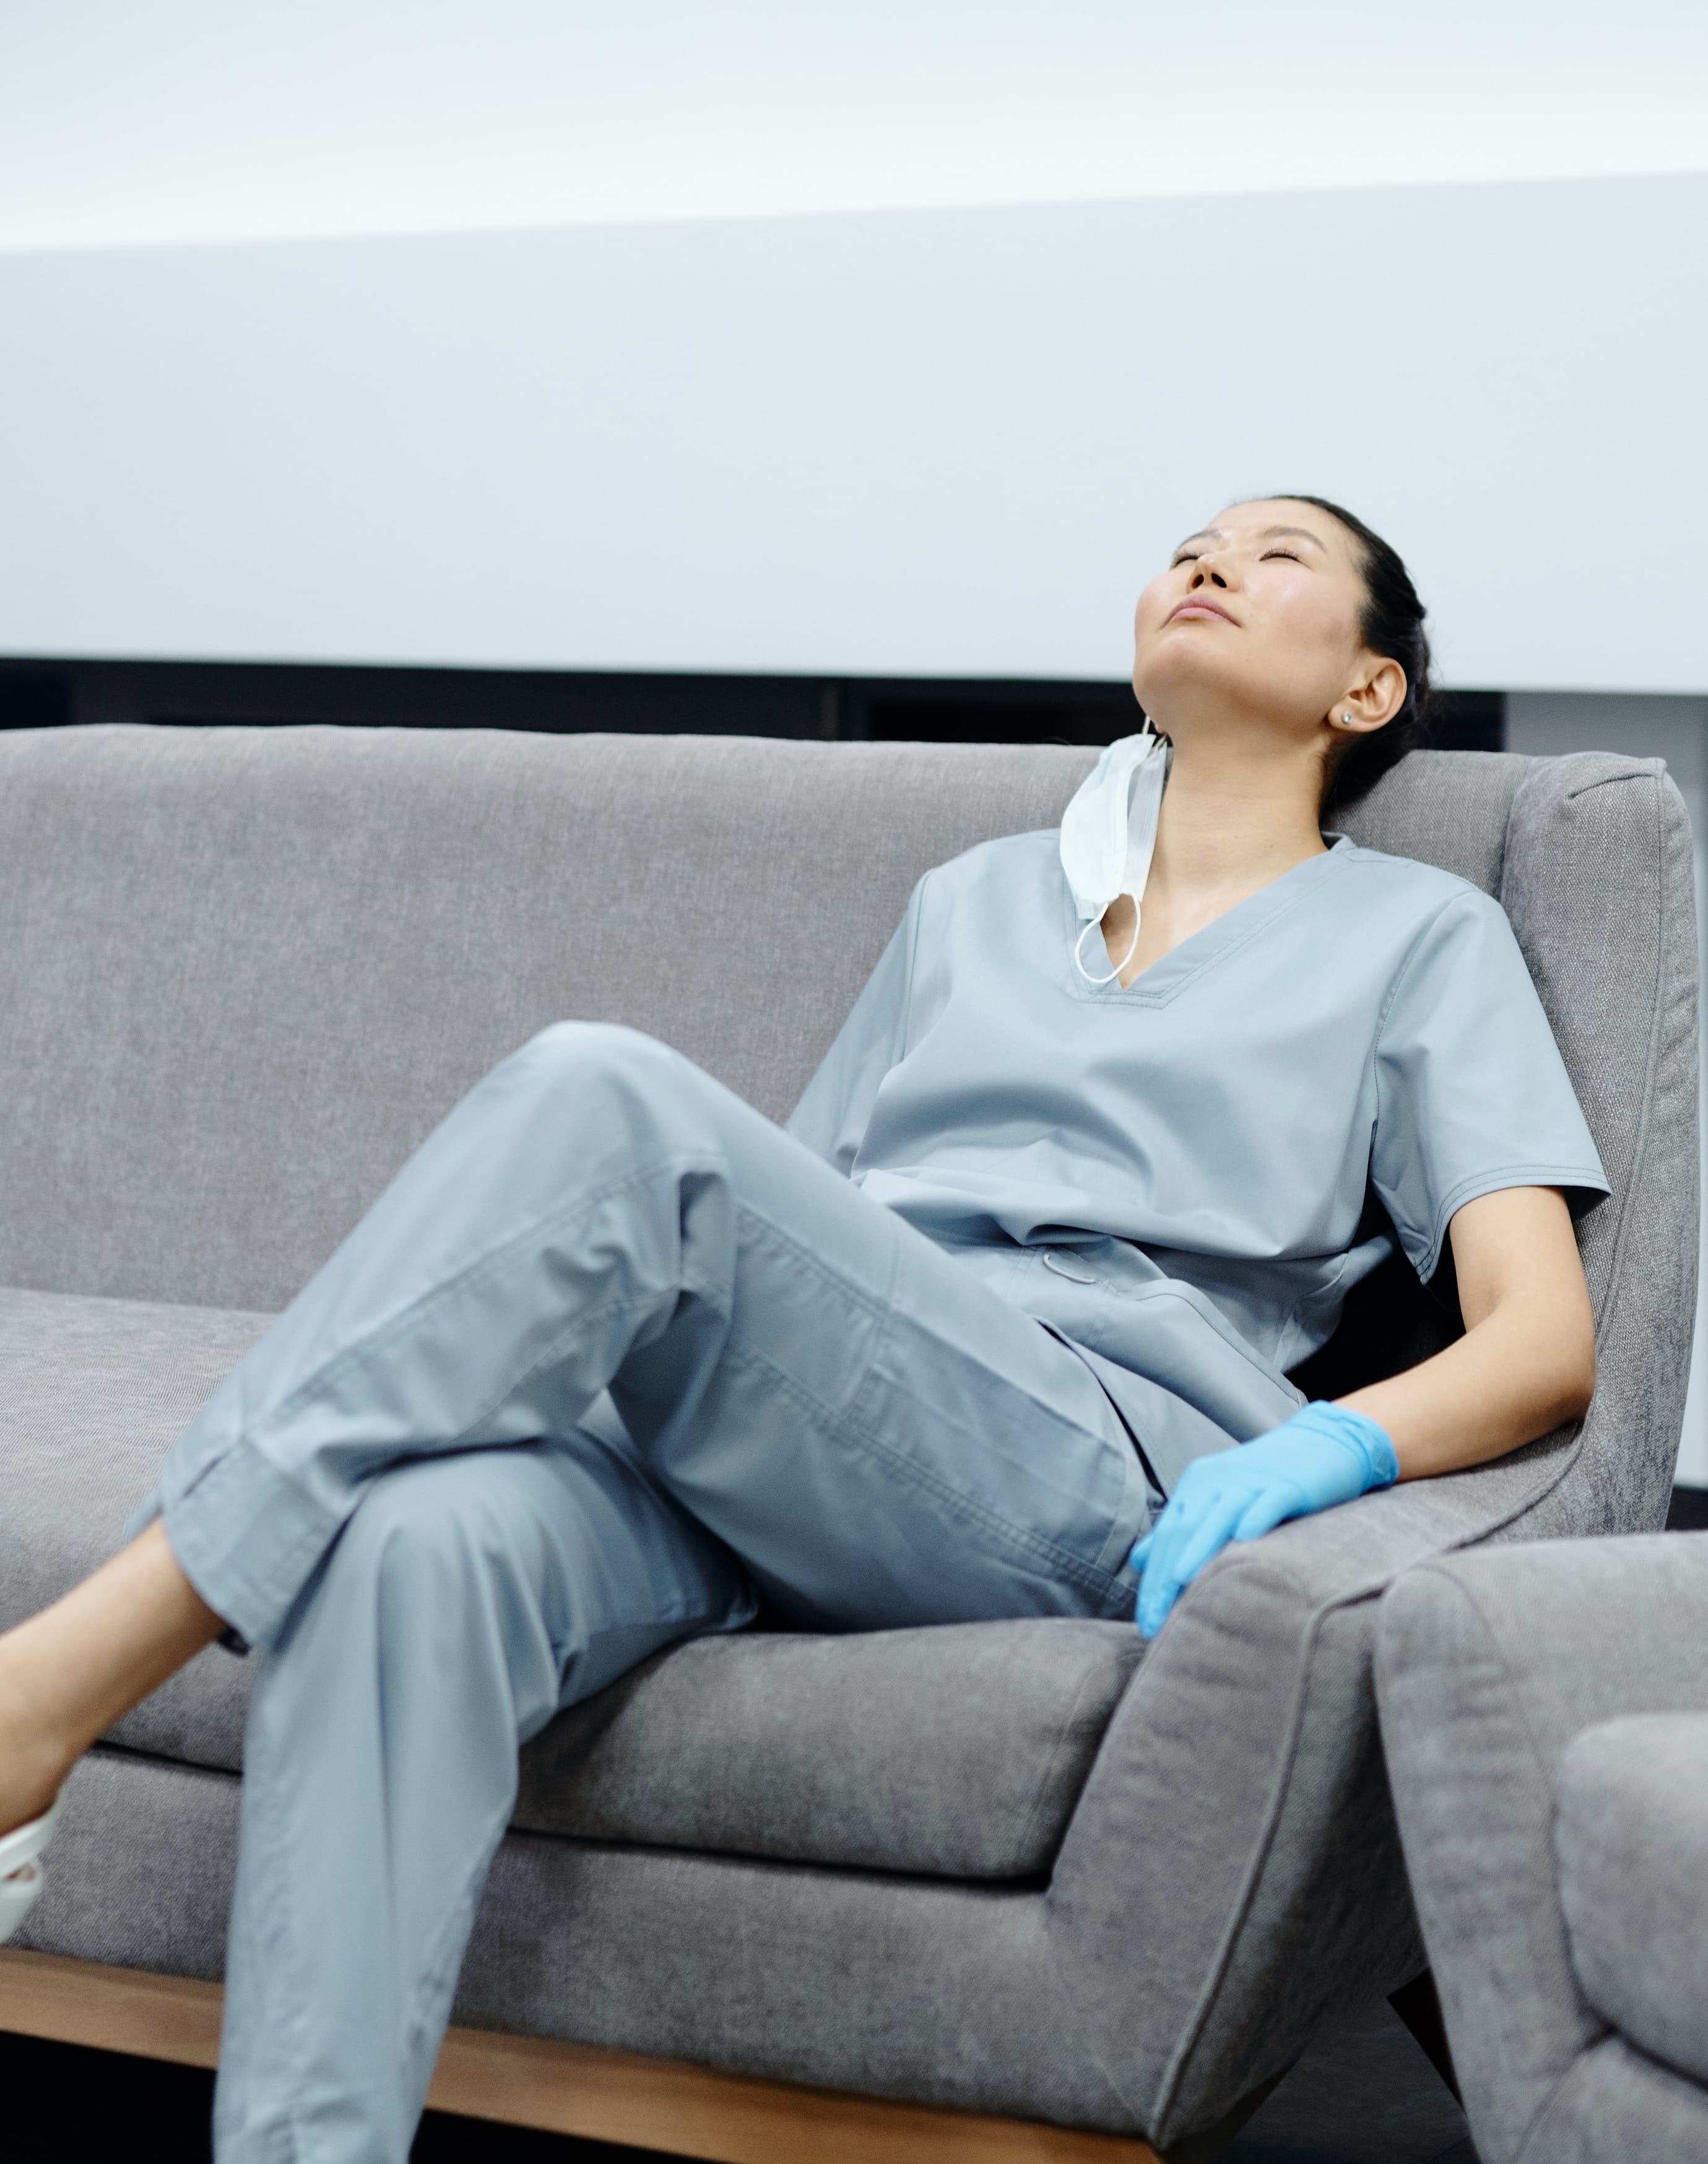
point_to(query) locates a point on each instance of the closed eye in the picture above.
(1191, 556)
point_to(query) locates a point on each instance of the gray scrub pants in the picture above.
(414, 1497)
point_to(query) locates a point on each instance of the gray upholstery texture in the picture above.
(877, 1750)
(1510, 1682)
(954, 1753)
(1617, 2104)
(246, 969)
(304, 945)
(1631, 1835)
(945, 1993)
(92, 1392)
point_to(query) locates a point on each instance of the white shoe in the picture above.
(20, 1871)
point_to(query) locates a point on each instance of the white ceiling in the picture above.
(194, 120)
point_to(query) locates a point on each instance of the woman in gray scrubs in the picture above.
(1001, 1326)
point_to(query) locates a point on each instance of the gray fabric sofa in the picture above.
(1545, 1713)
(1025, 1870)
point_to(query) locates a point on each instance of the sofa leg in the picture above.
(1418, 2005)
(617, 2096)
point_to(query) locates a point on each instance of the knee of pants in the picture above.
(437, 1542)
(436, 1614)
(659, 1089)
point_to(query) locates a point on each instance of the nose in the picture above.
(1206, 572)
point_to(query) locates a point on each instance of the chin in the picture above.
(1177, 675)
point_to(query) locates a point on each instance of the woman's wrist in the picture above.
(1361, 1433)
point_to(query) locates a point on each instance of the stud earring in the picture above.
(1346, 718)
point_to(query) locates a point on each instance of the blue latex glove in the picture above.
(1326, 1454)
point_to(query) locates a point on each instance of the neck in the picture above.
(1233, 819)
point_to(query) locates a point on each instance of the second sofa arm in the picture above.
(1231, 1880)
(1488, 1664)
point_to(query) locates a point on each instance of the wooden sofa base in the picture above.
(563, 2089)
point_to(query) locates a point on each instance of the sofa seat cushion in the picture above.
(952, 1753)
(92, 1393)
(957, 1752)
(1631, 1835)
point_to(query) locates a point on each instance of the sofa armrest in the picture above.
(1631, 1852)
(1231, 1879)
(1488, 1665)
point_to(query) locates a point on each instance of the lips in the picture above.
(1197, 607)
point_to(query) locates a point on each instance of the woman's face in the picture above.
(1259, 613)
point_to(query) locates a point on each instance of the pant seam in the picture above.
(968, 1507)
(464, 1906)
(284, 1578)
(379, 1339)
(1093, 1577)
(879, 1307)
(884, 1313)
(282, 2139)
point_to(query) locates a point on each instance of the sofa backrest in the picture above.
(242, 971)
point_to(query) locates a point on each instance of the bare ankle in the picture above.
(70, 1672)
(34, 1760)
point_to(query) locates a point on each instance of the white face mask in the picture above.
(1109, 834)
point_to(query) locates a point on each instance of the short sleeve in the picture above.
(837, 1104)
(1472, 1094)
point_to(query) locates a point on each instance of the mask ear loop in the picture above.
(1078, 961)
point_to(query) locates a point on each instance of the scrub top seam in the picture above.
(1399, 976)
(1473, 1184)
(1476, 1184)
(1335, 1291)
(1210, 1315)
(901, 1044)
(1436, 1232)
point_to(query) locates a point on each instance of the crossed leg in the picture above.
(415, 1497)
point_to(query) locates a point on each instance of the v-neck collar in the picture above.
(1224, 935)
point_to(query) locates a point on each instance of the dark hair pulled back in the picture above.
(1392, 626)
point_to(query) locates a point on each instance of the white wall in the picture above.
(915, 443)
(195, 120)
(752, 336)
(1675, 730)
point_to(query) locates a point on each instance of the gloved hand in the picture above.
(1326, 1454)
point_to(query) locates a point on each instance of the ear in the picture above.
(1372, 702)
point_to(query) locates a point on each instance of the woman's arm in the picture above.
(1526, 1362)
(1527, 1359)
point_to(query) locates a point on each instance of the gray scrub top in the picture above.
(1172, 1177)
